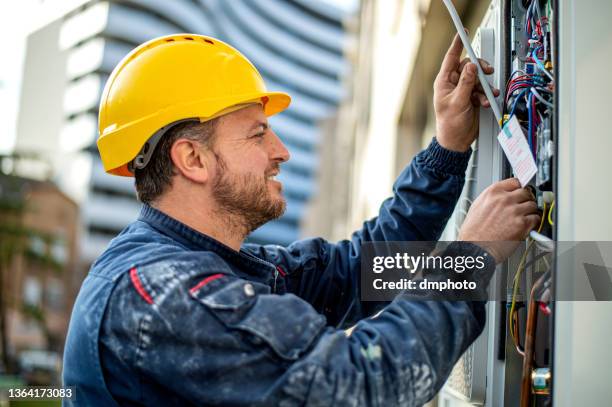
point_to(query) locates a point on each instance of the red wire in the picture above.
(514, 88)
(544, 308)
(528, 26)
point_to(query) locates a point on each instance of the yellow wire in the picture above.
(542, 219)
(515, 284)
(550, 221)
(520, 270)
(521, 267)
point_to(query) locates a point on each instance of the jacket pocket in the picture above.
(286, 323)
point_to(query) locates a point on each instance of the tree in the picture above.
(15, 240)
(12, 240)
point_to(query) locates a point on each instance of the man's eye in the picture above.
(260, 135)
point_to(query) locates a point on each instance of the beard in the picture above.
(245, 198)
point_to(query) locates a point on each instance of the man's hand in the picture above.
(457, 98)
(500, 218)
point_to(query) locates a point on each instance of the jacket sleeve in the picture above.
(327, 275)
(221, 340)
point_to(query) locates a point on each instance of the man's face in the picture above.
(248, 155)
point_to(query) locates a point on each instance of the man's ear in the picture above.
(191, 160)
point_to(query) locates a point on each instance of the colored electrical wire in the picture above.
(531, 88)
(517, 342)
(550, 221)
(545, 308)
(513, 318)
(543, 217)
(536, 123)
(529, 95)
(540, 98)
(530, 122)
(516, 101)
(540, 64)
(515, 284)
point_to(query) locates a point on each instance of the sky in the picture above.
(15, 21)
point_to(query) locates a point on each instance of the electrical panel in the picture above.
(529, 95)
(518, 38)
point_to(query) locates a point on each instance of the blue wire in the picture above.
(529, 131)
(514, 73)
(516, 101)
(535, 58)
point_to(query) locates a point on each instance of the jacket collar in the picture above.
(244, 262)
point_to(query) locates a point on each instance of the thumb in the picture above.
(466, 84)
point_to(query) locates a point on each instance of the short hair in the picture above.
(154, 179)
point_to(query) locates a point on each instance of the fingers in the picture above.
(486, 67)
(467, 81)
(454, 77)
(475, 100)
(528, 208)
(478, 88)
(479, 92)
(462, 64)
(479, 99)
(509, 184)
(533, 222)
(522, 195)
(451, 59)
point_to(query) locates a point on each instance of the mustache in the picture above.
(273, 170)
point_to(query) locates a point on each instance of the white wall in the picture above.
(583, 354)
(397, 35)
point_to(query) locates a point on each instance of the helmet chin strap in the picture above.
(144, 155)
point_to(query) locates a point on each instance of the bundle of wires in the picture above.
(513, 320)
(529, 94)
(532, 91)
(529, 98)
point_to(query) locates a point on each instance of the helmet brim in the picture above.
(273, 103)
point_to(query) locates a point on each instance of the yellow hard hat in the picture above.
(168, 80)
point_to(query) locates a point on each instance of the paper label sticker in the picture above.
(517, 151)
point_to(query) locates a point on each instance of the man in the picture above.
(177, 311)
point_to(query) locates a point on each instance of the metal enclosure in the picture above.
(489, 373)
(583, 330)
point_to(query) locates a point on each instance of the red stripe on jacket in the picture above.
(202, 283)
(138, 285)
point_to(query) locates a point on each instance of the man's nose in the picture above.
(279, 151)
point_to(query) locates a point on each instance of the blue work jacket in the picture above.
(171, 317)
